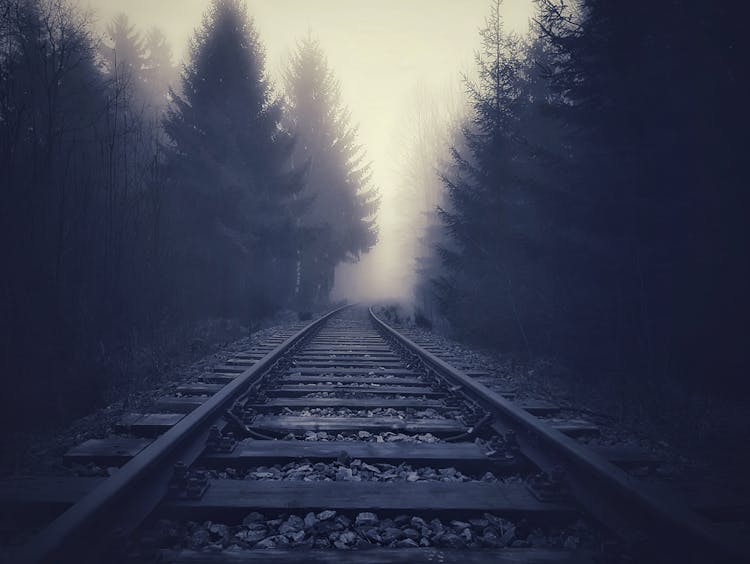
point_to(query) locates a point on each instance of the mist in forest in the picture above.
(396, 62)
(550, 179)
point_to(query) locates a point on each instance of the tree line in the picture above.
(594, 202)
(137, 196)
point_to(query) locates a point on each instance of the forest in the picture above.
(140, 197)
(586, 202)
(589, 202)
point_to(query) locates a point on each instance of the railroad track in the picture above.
(349, 440)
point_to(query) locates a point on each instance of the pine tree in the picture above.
(487, 206)
(160, 73)
(140, 66)
(228, 166)
(122, 50)
(649, 94)
(339, 224)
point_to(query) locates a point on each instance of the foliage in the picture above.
(143, 63)
(340, 222)
(230, 183)
(597, 212)
(491, 213)
(648, 95)
(114, 232)
(78, 210)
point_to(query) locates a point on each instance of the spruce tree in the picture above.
(229, 171)
(656, 181)
(339, 224)
(160, 73)
(485, 214)
(122, 50)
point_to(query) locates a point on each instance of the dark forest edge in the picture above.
(140, 202)
(593, 208)
(594, 205)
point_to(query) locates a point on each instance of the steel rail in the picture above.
(123, 500)
(596, 481)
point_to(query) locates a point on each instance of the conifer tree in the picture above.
(339, 224)
(122, 50)
(229, 170)
(160, 73)
(486, 197)
(656, 181)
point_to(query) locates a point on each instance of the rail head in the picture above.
(693, 530)
(65, 538)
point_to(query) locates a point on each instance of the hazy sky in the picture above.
(381, 51)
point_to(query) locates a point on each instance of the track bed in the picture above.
(345, 440)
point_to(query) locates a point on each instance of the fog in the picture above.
(390, 57)
(550, 195)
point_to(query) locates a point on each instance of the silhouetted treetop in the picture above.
(227, 60)
(123, 49)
